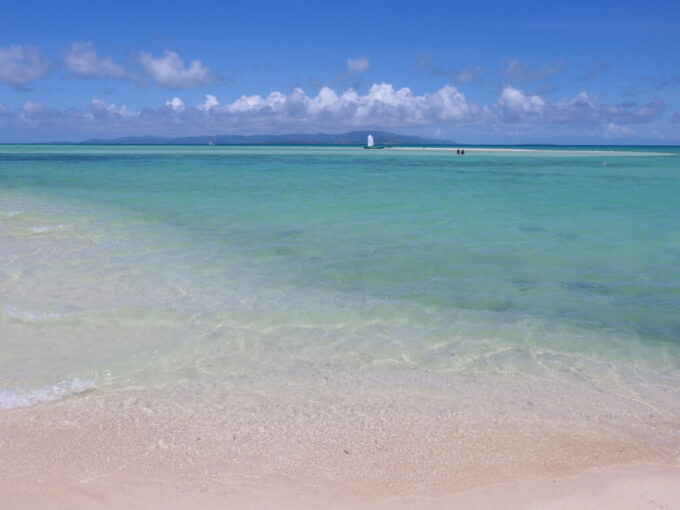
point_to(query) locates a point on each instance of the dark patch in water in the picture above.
(583, 286)
(287, 234)
(285, 251)
(533, 228)
(525, 284)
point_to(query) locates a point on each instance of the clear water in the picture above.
(140, 266)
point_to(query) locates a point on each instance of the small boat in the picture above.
(370, 145)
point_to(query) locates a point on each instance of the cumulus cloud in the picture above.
(517, 107)
(103, 109)
(82, 59)
(523, 73)
(21, 64)
(169, 71)
(34, 114)
(210, 102)
(382, 106)
(613, 130)
(175, 104)
(358, 65)
(31, 107)
(579, 109)
(276, 112)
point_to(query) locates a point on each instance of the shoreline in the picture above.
(250, 449)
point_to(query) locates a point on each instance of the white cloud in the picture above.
(382, 106)
(31, 107)
(581, 108)
(358, 65)
(82, 59)
(169, 71)
(517, 107)
(21, 64)
(33, 113)
(449, 104)
(103, 109)
(210, 102)
(175, 104)
(613, 130)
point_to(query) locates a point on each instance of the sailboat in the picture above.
(370, 144)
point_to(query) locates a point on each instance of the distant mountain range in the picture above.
(351, 138)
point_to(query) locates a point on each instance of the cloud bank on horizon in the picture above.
(233, 74)
(381, 106)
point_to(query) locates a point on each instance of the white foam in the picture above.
(28, 316)
(12, 398)
(48, 228)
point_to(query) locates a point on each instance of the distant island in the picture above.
(351, 138)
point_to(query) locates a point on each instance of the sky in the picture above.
(511, 72)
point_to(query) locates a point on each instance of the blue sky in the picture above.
(475, 72)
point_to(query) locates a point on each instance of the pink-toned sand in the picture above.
(139, 450)
(638, 487)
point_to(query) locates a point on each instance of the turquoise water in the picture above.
(225, 261)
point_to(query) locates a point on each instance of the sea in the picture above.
(300, 294)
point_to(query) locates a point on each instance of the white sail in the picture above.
(369, 143)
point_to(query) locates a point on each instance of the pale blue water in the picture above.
(234, 260)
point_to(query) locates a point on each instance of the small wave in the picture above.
(48, 228)
(12, 398)
(12, 213)
(28, 316)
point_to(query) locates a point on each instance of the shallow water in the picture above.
(245, 270)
